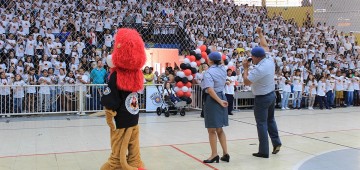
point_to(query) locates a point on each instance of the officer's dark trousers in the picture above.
(265, 121)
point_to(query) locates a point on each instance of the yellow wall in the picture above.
(298, 13)
(357, 35)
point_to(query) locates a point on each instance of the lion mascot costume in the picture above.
(120, 100)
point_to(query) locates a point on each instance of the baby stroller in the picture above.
(170, 103)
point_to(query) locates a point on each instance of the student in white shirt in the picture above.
(70, 91)
(349, 88)
(20, 49)
(312, 85)
(5, 93)
(81, 80)
(108, 38)
(339, 89)
(53, 92)
(230, 90)
(68, 47)
(44, 92)
(30, 79)
(18, 93)
(330, 89)
(321, 92)
(297, 83)
(286, 94)
(356, 82)
(60, 89)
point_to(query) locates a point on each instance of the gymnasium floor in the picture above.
(312, 140)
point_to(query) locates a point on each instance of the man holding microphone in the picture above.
(262, 82)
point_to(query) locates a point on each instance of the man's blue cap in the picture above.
(258, 52)
(215, 56)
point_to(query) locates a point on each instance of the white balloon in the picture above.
(109, 61)
(197, 51)
(202, 60)
(180, 74)
(193, 64)
(176, 89)
(230, 64)
(184, 89)
(190, 77)
(190, 90)
(186, 61)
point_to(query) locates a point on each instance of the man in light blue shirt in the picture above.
(97, 76)
(262, 82)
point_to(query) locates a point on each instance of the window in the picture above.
(283, 3)
(249, 2)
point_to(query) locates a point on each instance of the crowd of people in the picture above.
(54, 42)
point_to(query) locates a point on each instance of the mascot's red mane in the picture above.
(128, 58)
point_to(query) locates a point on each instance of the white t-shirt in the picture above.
(68, 47)
(30, 46)
(229, 89)
(356, 82)
(108, 40)
(4, 90)
(26, 26)
(69, 85)
(287, 88)
(30, 89)
(321, 89)
(18, 89)
(297, 82)
(45, 88)
(339, 85)
(314, 85)
(84, 78)
(349, 86)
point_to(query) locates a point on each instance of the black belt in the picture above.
(264, 94)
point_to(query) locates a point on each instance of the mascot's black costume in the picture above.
(120, 100)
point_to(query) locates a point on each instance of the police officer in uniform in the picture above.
(215, 107)
(262, 82)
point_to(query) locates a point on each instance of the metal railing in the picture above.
(81, 99)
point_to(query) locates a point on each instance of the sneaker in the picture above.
(287, 108)
(310, 108)
(283, 108)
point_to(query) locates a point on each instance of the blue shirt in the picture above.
(98, 76)
(262, 77)
(215, 77)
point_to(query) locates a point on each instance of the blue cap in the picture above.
(258, 52)
(215, 56)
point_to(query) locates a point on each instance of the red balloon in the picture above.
(192, 58)
(198, 63)
(180, 84)
(232, 68)
(179, 93)
(203, 48)
(188, 84)
(187, 94)
(223, 57)
(204, 55)
(236, 83)
(187, 72)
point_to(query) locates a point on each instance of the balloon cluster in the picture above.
(189, 68)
